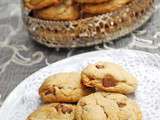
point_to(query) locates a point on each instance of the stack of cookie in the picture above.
(71, 9)
(97, 93)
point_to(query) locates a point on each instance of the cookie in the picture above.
(107, 106)
(63, 87)
(106, 7)
(109, 77)
(39, 4)
(55, 111)
(62, 12)
(91, 1)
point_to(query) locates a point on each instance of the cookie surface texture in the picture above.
(106, 7)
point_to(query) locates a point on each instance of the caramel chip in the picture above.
(109, 81)
(121, 104)
(99, 66)
(64, 108)
(50, 91)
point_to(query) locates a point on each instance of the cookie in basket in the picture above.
(64, 11)
(39, 4)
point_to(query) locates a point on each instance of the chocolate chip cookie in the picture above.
(107, 106)
(109, 77)
(91, 1)
(63, 87)
(55, 111)
(64, 11)
(39, 4)
(105, 7)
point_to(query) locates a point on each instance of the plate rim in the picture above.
(13, 93)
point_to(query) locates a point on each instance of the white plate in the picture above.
(146, 67)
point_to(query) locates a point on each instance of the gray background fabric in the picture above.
(20, 56)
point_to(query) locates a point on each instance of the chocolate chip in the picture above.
(99, 66)
(82, 103)
(66, 109)
(91, 77)
(109, 81)
(47, 92)
(58, 107)
(106, 115)
(60, 87)
(121, 105)
(50, 91)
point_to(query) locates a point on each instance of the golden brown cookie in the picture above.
(55, 111)
(39, 4)
(63, 87)
(109, 77)
(107, 106)
(102, 8)
(91, 1)
(64, 11)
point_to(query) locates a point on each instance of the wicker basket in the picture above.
(89, 31)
